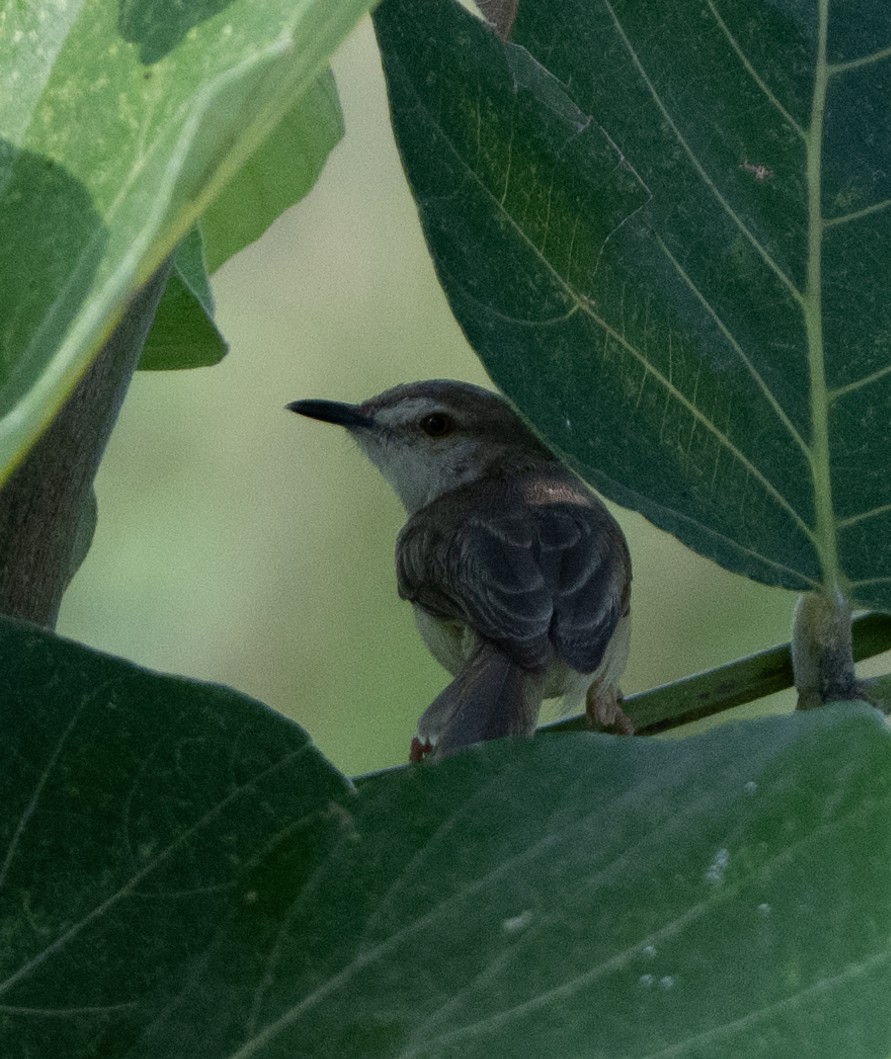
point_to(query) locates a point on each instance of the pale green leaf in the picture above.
(119, 124)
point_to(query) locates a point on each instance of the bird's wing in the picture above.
(591, 578)
(539, 582)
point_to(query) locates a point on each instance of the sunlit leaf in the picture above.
(119, 123)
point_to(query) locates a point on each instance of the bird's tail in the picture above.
(491, 697)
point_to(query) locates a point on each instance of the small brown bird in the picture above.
(519, 577)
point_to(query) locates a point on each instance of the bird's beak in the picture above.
(346, 415)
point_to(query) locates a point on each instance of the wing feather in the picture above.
(541, 579)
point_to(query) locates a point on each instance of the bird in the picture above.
(518, 575)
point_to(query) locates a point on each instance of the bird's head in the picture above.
(429, 437)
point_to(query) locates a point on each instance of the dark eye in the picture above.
(437, 425)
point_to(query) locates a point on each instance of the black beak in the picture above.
(345, 415)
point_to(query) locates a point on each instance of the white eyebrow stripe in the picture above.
(406, 410)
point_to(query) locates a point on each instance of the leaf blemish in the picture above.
(519, 922)
(759, 171)
(718, 867)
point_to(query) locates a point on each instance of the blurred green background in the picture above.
(241, 544)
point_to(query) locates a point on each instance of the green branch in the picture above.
(734, 684)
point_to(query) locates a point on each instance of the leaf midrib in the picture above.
(812, 308)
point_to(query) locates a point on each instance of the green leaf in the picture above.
(578, 896)
(718, 357)
(182, 875)
(133, 807)
(119, 124)
(183, 333)
(277, 175)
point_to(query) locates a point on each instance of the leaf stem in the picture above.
(48, 498)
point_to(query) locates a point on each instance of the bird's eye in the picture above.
(437, 425)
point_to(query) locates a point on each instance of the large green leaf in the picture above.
(587, 897)
(119, 123)
(181, 875)
(717, 357)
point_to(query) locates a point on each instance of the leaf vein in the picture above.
(865, 60)
(678, 823)
(858, 384)
(128, 888)
(721, 435)
(856, 215)
(31, 807)
(752, 72)
(862, 516)
(752, 1018)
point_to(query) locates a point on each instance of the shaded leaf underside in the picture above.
(714, 352)
(183, 334)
